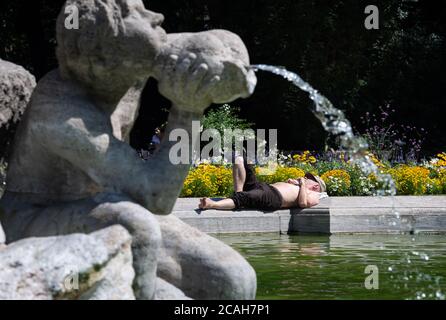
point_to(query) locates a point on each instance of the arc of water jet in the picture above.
(334, 122)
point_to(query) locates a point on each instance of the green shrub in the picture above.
(224, 117)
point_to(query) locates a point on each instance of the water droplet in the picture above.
(439, 295)
(424, 257)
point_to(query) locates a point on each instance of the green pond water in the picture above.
(333, 267)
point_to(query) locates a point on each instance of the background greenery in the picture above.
(401, 64)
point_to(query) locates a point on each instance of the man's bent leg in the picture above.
(239, 174)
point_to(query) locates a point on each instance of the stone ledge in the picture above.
(332, 216)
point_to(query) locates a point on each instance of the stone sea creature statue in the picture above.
(73, 171)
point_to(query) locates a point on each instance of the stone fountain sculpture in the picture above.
(72, 170)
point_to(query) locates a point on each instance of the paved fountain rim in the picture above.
(334, 215)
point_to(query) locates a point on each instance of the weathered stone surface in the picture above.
(201, 266)
(16, 87)
(48, 268)
(166, 291)
(219, 51)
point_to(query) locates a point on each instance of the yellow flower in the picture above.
(305, 158)
(338, 182)
(442, 179)
(280, 174)
(441, 162)
(208, 181)
(216, 181)
(411, 179)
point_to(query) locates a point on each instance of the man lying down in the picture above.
(252, 194)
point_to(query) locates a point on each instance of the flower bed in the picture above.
(342, 178)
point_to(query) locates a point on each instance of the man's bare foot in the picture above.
(206, 203)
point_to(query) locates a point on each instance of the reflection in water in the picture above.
(332, 267)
